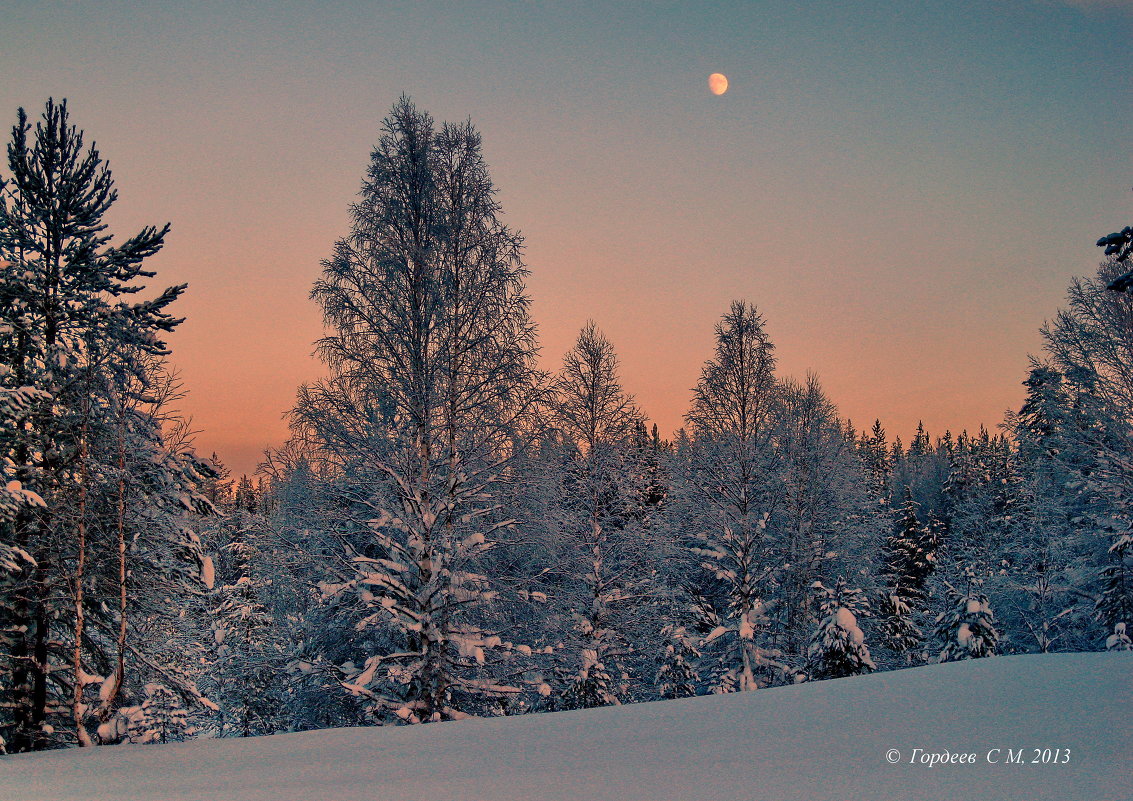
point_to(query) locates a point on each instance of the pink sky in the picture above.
(904, 196)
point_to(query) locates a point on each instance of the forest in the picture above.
(453, 531)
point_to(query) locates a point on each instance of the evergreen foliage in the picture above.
(967, 629)
(837, 647)
(100, 477)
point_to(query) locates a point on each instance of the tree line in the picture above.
(451, 530)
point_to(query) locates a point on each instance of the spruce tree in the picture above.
(249, 661)
(905, 567)
(907, 555)
(161, 717)
(1119, 640)
(837, 647)
(677, 676)
(966, 630)
(875, 455)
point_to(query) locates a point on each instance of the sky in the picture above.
(904, 189)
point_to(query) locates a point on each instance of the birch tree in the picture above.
(432, 381)
(600, 569)
(728, 492)
(1087, 424)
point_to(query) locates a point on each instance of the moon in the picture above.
(717, 83)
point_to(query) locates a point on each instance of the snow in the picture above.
(849, 624)
(818, 741)
(208, 572)
(716, 633)
(1119, 640)
(108, 687)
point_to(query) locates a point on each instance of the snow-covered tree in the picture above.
(1119, 246)
(298, 543)
(432, 381)
(1079, 416)
(837, 647)
(160, 718)
(900, 632)
(15, 404)
(249, 661)
(91, 446)
(967, 629)
(1044, 561)
(908, 556)
(1119, 640)
(726, 492)
(824, 517)
(874, 452)
(677, 675)
(923, 467)
(601, 549)
(907, 560)
(980, 488)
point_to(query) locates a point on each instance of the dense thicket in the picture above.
(451, 531)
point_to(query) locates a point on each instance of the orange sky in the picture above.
(904, 196)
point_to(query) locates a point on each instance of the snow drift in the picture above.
(825, 740)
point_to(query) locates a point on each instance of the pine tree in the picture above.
(92, 358)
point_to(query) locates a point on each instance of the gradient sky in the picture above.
(904, 188)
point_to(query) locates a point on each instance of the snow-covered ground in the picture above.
(826, 740)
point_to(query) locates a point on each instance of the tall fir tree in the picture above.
(906, 562)
(874, 451)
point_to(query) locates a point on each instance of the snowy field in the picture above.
(826, 740)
